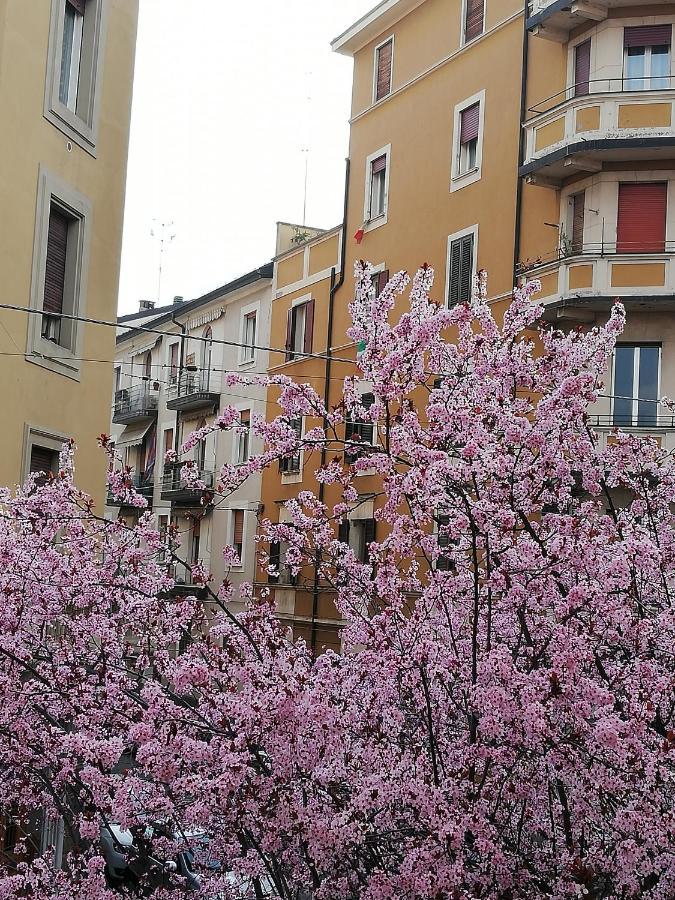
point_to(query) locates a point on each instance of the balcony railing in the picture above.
(178, 490)
(631, 250)
(647, 421)
(134, 403)
(184, 583)
(595, 87)
(141, 484)
(192, 389)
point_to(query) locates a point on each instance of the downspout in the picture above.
(181, 361)
(521, 143)
(334, 288)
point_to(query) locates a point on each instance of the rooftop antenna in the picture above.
(305, 150)
(165, 234)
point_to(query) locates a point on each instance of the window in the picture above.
(238, 532)
(378, 186)
(173, 363)
(467, 150)
(299, 329)
(168, 440)
(383, 69)
(443, 562)
(358, 534)
(468, 139)
(582, 69)
(461, 267)
(380, 281)
(474, 15)
(41, 451)
(359, 434)
(578, 217)
(636, 384)
(75, 57)
(43, 460)
(290, 465)
(59, 269)
(647, 57)
(641, 217)
(249, 338)
(243, 437)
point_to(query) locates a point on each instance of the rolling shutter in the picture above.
(309, 326)
(647, 36)
(55, 267)
(384, 59)
(461, 270)
(382, 282)
(379, 165)
(473, 25)
(578, 216)
(582, 69)
(641, 220)
(470, 121)
(238, 528)
(42, 459)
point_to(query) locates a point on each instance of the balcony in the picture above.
(652, 423)
(177, 491)
(606, 120)
(583, 282)
(193, 389)
(141, 485)
(554, 19)
(136, 403)
(184, 585)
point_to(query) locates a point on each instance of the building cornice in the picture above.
(370, 26)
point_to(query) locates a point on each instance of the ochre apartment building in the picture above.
(530, 140)
(66, 73)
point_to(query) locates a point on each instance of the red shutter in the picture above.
(473, 25)
(647, 36)
(78, 5)
(55, 269)
(382, 281)
(289, 334)
(578, 217)
(378, 165)
(309, 326)
(384, 58)
(582, 69)
(470, 121)
(238, 536)
(641, 220)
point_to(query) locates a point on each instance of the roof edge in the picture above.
(368, 27)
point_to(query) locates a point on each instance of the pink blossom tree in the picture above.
(501, 720)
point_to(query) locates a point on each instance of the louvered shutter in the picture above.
(369, 530)
(382, 281)
(42, 459)
(309, 326)
(473, 25)
(578, 216)
(379, 164)
(343, 531)
(78, 5)
(648, 36)
(289, 334)
(641, 220)
(238, 528)
(461, 270)
(55, 267)
(384, 59)
(275, 561)
(582, 69)
(470, 122)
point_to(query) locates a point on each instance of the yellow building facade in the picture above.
(66, 74)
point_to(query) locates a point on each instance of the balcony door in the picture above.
(636, 385)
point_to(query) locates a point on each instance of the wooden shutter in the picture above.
(382, 282)
(461, 270)
(309, 326)
(641, 220)
(582, 69)
(275, 560)
(290, 318)
(578, 216)
(78, 5)
(238, 527)
(369, 529)
(343, 531)
(42, 459)
(470, 122)
(379, 164)
(55, 268)
(384, 59)
(473, 24)
(168, 439)
(648, 36)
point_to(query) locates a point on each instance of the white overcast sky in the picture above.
(226, 97)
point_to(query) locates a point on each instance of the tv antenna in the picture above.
(164, 233)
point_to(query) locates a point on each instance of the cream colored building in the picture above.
(66, 74)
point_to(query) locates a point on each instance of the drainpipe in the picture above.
(334, 288)
(521, 142)
(181, 361)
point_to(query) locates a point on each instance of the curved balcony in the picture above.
(554, 19)
(136, 403)
(578, 285)
(605, 120)
(193, 389)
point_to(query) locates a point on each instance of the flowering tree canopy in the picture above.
(501, 720)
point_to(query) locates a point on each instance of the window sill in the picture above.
(54, 357)
(376, 222)
(465, 179)
(247, 363)
(291, 477)
(70, 124)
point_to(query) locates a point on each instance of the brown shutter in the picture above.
(578, 216)
(461, 270)
(384, 58)
(470, 121)
(78, 5)
(641, 220)
(55, 269)
(648, 36)
(42, 459)
(382, 281)
(378, 165)
(473, 25)
(289, 334)
(582, 69)
(245, 416)
(309, 326)
(168, 439)
(238, 527)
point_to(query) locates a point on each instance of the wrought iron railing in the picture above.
(569, 250)
(197, 381)
(612, 420)
(142, 484)
(172, 480)
(139, 400)
(596, 86)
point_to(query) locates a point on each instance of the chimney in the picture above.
(177, 300)
(146, 304)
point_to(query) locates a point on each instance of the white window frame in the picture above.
(81, 125)
(460, 179)
(43, 437)
(64, 359)
(296, 477)
(638, 345)
(375, 69)
(250, 310)
(647, 78)
(237, 439)
(462, 26)
(472, 229)
(300, 301)
(380, 220)
(230, 535)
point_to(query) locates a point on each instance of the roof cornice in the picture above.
(381, 18)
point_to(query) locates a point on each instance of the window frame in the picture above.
(459, 179)
(457, 235)
(647, 77)
(42, 437)
(464, 41)
(61, 358)
(81, 127)
(230, 535)
(381, 219)
(288, 475)
(249, 311)
(376, 62)
(635, 401)
(240, 437)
